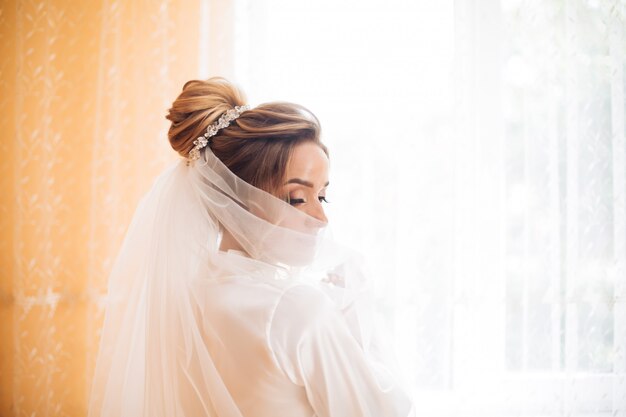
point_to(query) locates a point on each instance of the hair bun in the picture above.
(199, 104)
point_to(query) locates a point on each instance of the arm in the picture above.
(313, 345)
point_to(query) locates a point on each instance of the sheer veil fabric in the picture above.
(163, 348)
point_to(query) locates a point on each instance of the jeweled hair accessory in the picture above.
(213, 128)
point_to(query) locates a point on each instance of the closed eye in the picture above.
(294, 201)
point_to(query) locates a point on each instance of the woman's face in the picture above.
(306, 180)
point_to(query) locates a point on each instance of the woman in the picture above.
(228, 298)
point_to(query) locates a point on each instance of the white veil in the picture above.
(153, 358)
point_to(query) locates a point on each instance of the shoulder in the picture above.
(301, 306)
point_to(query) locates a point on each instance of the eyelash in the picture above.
(294, 201)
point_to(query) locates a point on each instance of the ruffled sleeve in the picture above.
(313, 345)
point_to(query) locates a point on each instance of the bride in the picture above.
(228, 297)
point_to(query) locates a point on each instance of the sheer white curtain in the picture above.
(478, 158)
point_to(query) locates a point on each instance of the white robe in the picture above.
(286, 350)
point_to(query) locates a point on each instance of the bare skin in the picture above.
(306, 180)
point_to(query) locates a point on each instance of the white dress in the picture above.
(285, 350)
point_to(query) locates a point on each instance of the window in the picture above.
(482, 144)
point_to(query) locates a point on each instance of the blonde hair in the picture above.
(257, 145)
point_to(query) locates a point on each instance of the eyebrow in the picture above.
(303, 182)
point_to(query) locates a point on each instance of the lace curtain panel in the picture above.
(481, 143)
(85, 87)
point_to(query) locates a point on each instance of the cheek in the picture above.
(301, 207)
(295, 223)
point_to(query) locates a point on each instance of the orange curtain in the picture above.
(84, 87)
